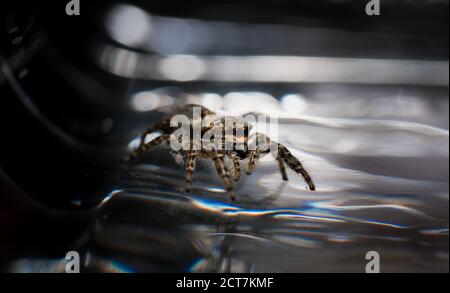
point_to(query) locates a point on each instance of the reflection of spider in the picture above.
(218, 155)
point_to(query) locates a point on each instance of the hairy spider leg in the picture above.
(253, 157)
(295, 165)
(236, 164)
(222, 171)
(145, 147)
(283, 155)
(282, 168)
(190, 167)
(162, 126)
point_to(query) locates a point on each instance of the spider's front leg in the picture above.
(222, 170)
(236, 164)
(295, 165)
(190, 167)
(283, 155)
(253, 157)
(256, 148)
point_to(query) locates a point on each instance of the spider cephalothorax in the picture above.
(235, 142)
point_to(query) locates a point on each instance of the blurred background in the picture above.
(362, 100)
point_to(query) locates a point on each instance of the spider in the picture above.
(218, 155)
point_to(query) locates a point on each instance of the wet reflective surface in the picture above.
(367, 113)
(382, 185)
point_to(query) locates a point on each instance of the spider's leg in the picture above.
(164, 124)
(222, 170)
(253, 157)
(145, 147)
(160, 126)
(282, 168)
(295, 165)
(236, 164)
(190, 167)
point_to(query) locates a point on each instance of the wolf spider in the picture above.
(218, 155)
